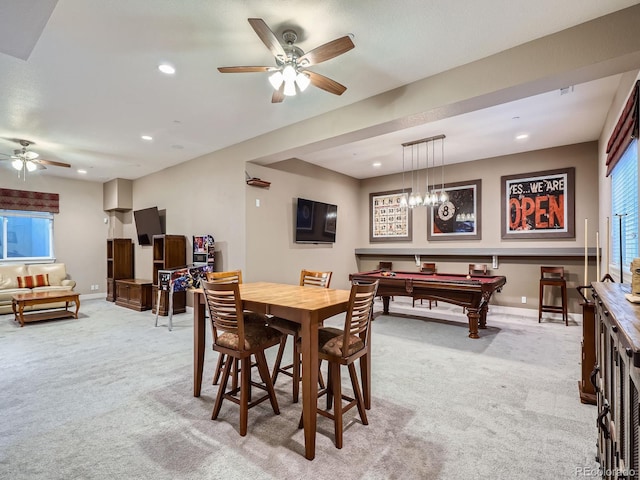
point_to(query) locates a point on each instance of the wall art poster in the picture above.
(538, 205)
(389, 222)
(459, 217)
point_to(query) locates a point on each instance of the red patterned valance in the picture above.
(625, 130)
(29, 201)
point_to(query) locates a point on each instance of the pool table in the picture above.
(472, 292)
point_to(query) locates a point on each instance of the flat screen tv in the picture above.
(315, 221)
(147, 225)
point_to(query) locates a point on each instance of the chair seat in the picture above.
(330, 342)
(254, 336)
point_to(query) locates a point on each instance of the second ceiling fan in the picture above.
(290, 73)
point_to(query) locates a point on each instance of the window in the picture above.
(26, 235)
(624, 208)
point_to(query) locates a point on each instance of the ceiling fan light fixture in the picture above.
(17, 164)
(289, 88)
(276, 80)
(303, 81)
(289, 73)
(30, 166)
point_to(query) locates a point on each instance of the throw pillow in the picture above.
(41, 280)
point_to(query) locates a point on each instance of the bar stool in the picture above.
(553, 277)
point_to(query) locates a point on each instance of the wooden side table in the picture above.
(134, 293)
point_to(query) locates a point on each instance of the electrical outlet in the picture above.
(524, 299)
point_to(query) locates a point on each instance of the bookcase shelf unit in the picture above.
(119, 264)
(169, 252)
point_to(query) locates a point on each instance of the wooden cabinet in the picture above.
(617, 380)
(169, 251)
(134, 293)
(119, 263)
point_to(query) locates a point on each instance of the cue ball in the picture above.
(468, 276)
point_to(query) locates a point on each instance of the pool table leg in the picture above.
(385, 305)
(483, 316)
(473, 316)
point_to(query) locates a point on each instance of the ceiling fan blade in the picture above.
(326, 52)
(268, 37)
(278, 95)
(245, 69)
(51, 162)
(325, 83)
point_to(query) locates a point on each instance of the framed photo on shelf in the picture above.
(538, 204)
(389, 222)
(459, 217)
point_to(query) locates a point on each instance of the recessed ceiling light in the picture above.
(377, 164)
(166, 68)
(522, 136)
(82, 172)
(147, 137)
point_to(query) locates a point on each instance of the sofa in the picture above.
(25, 278)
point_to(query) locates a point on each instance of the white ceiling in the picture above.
(84, 85)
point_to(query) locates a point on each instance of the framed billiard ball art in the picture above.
(458, 218)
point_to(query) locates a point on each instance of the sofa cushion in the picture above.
(56, 271)
(7, 294)
(9, 274)
(31, 281)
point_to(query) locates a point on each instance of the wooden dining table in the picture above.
(307, 306)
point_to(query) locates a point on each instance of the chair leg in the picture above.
(358, 394)
(245, 376)
(337, 400)
(296, 368)
(263, 369)
(219, 367)
(276, 366)
(565, 314)
(221, 389)
(540, 302)
(329, 386)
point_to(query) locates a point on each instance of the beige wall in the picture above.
(79, 229)
(272, 254)
(522, 273)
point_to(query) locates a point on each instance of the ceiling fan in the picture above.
(25, 160)
(290, 73)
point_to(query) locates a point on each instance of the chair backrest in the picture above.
(232, 276)
(552, 272)
(428, 267)
(309, 278)
(359, 313)
(477, 269)
(385, 266)
(225, 309)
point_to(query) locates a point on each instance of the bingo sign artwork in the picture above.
(390, 220)
(539, 203)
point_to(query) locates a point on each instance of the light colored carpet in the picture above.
(109, 396)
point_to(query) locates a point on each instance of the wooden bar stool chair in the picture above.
(239, 340)
(344, 347)
(553, 277)
(231, 276)
(430, 268)
(308, 278)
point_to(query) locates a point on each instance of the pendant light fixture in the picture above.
(433, 195)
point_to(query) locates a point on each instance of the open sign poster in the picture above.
(538, 205)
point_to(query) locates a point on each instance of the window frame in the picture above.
(631, 154)
(4, 215)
